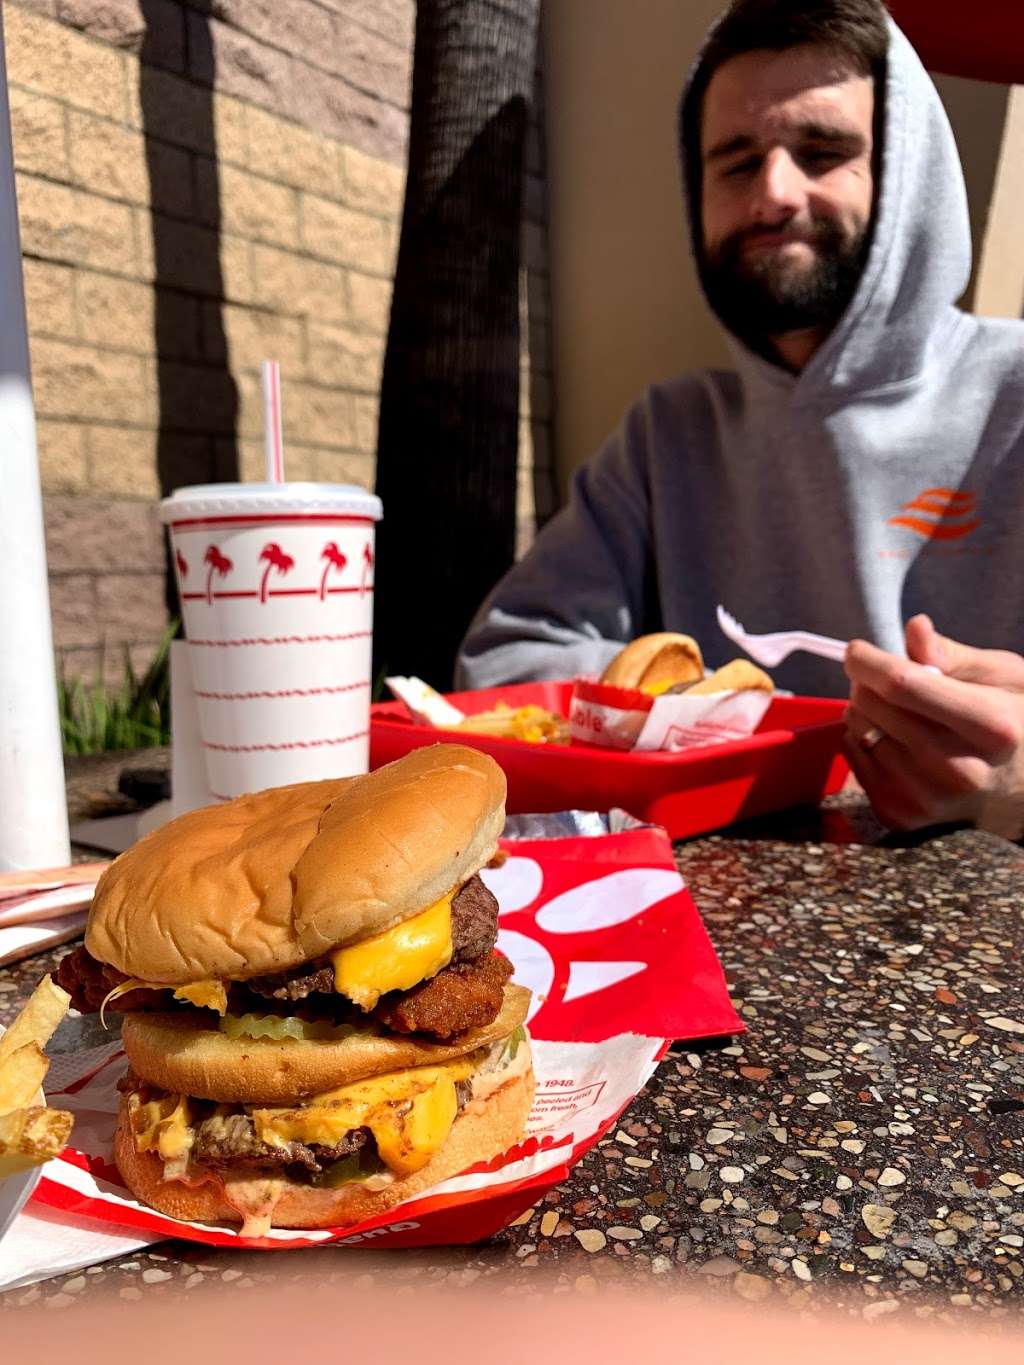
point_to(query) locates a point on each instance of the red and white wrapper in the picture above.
(625, 718)
(602, 929)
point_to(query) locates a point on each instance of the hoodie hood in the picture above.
(919, 260)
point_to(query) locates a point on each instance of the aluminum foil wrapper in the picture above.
(567, 824)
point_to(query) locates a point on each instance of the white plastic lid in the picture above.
(244, 499)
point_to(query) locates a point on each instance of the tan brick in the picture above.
(317, 416)
(293, 284)
(284, 151)
(67, 225)
(372, 185)
(353, 116)
(73, 612)
(168, 107)
(49, 298)
(82, 534)
(340, 234)
(38, 134)
(157, 26)
(108, 160)
(170, 178)
(79, 381)
(252, 335)
(191, 256)
(253, 207)
(346, 467)
(300, 461)
(303, 27)
(236, 269)
(250, 408)
(53, 60)
(198, 398)
(220, 55)
(63, 461)
(369, 302)
(123, 461)
(231, 129)
(337, 355)
(359, 55)
(116, 312)
(131, 606)
(366, 410)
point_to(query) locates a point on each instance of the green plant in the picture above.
(136, 714)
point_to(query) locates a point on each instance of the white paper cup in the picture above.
(276, 587)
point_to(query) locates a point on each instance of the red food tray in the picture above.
(795, 756)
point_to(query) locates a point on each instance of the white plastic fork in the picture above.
(772, 649)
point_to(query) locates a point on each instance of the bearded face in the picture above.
(763, 283)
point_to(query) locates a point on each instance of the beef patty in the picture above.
(226, 1142)
(474, 933)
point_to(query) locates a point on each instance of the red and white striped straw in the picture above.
(273, 439)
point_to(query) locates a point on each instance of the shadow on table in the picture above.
(843, 819)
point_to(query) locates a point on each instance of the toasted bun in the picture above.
(481, 1132)
(268, 881)
(738, 676)
(650, 660)
(174, 1054)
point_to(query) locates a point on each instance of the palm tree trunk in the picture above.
(449, 410)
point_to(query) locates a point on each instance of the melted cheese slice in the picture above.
(163, 1125)
(397, 959)
(210, 994)
(410, 1114)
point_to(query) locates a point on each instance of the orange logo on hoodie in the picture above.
(948, 514)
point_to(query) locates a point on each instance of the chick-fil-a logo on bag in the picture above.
(608, 949)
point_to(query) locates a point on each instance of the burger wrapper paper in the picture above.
(624, 718)
(598, 924)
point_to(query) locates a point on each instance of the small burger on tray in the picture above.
(317, 1023)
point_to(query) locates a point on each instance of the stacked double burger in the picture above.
(317, 1023)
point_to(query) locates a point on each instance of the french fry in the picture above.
(30, 1137)
(38, 1020)
(30, 1134)
(21, 1076)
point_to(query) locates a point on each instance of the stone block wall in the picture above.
(203, 184)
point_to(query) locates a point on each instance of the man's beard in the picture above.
(764, 297)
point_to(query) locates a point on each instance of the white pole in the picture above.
(33, 813)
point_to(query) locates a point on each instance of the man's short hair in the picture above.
(856, 29)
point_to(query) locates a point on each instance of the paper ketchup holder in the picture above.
(599, 924)
(626, 718)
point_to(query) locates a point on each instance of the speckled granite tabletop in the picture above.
(860, 1148)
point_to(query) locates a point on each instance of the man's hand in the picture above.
(935, 748)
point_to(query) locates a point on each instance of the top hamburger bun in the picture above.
(273, 880)
(738, 676)
(656, 662)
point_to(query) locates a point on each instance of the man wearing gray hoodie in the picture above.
(862, 467)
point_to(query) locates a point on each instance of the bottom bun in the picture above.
(483, 1130)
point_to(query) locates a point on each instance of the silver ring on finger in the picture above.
(871, 738)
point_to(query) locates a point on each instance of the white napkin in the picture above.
(41, 1244)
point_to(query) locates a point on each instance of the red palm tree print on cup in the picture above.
(219, 564)
(367, 566)
(275, 558)
(335, 560)
(182, 563)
